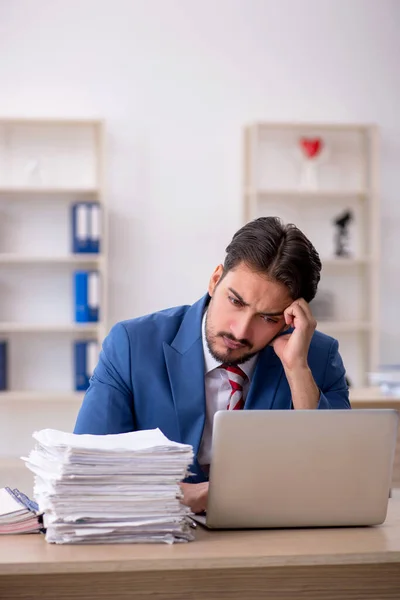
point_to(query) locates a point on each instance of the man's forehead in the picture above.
(269, 303)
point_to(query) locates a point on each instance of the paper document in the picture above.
(111, 488)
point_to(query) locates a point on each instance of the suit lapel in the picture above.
(267, 378)
(186, 376)
(185, 365)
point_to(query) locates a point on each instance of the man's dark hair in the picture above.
(281, 252)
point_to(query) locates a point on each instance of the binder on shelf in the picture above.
(87, 296)
(81, 299)
(3, 365)
(94, 296)
(86, 227)
(80, 227)
(85, 359)
(95, 228)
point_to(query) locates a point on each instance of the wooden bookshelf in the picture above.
(346, 179)
(46, 165)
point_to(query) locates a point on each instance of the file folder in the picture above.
(85, 360)
(95, 228)
(3, 365)
(80, 227)
(87, 296)
(93, 283)
(81, 297)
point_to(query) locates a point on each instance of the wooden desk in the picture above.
(314, 564)
(373, 398)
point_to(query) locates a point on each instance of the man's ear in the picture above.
(215, 279)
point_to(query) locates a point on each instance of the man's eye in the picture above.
(268, 319)
(234, 301)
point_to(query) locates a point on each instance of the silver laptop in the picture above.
(300, 468)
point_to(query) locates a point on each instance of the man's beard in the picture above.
(226, 357)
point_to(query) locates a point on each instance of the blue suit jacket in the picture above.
(151, 374)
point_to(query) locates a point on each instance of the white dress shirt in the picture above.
(218, 391)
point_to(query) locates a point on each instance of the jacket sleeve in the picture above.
(108, 403)
(334, 391)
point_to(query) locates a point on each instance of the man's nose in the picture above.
(241, 328)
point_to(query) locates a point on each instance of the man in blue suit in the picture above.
(249, 343)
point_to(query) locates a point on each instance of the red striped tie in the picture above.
(236, 378)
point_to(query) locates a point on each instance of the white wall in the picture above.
(175, 81)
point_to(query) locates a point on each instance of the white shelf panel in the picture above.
(306, 127)
(16, 259)
(37, 190)
(310, 195)
(51, 121)
(334, 327)
(37, 396)
(345, 262)
(49, 328)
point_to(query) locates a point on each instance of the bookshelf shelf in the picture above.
(334, 327)
(72, 259)
(345, 263)
(308, 195)
(307, 128)
(37, 191)
(89, 328)
(38, 396)
(50, 122)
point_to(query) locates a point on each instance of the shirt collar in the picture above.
(210, 363)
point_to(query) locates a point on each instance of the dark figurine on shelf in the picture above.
(342, 233)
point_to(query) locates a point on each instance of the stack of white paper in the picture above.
(111, 488)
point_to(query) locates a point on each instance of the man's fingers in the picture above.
(299, 311)
(306, 307)
(293, 311)
(195, 495)
(288, 317)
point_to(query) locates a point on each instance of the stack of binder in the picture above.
(86, 227)
(111, 488)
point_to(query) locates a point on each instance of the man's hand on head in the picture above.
(293, 348)
(195, 495)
